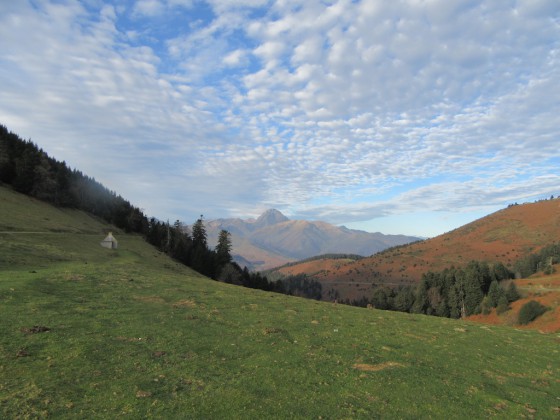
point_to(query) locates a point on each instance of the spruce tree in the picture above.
(494, 294)
(472, 288)
(503, 305)
(511, 293)
(199, 233)
(421, 300)
(455, 302)
(224, 247)
(404, 299)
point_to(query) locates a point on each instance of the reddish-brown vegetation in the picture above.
(314, 267)
(504, 236)
(541, 288)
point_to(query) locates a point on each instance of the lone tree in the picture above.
(224, 247)
(199, 233)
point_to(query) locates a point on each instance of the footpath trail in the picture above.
(26, 232)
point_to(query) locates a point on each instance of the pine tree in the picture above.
(455, 303)
(494, 294)
(503, 305)
(421, 300)
(471, 287)
(199, 233)
(511, 293)
(381, 298)
(500, 272)
(442, 309)
(224, 247)
(404, 299)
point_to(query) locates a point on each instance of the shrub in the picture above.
(549, 270)
(503, 305)
(485, 307)
(511, 293)
(530, 311)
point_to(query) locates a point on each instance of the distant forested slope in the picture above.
(31, 171)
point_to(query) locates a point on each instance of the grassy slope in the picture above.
(133, 333)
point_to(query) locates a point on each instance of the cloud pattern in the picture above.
(339, 110)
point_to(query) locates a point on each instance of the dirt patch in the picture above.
(185, 303)
(364, 367)
(36, 329)
(150, 299)
(22, 353)
(143, 394)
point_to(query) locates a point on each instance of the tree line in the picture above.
(31, 171)
(542, 260)
(459, 292)
(453, 293)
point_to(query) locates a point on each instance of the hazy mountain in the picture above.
(273, 239)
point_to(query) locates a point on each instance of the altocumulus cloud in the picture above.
(345, 111)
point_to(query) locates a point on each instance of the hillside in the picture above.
(504, 236)
(273, 240)
(542, 288)
(89, 332)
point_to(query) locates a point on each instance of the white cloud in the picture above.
(236, 58)
(149, 8)
(339, 110)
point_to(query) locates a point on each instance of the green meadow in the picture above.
(88, 332)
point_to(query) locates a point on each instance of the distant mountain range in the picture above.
(505, 236)
(272, 239)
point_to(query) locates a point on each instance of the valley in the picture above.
(92, 332)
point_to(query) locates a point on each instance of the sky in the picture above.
(404, 117)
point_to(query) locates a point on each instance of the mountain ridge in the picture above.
(504, 236)
(273, 239)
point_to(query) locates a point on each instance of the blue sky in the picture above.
(412, 116)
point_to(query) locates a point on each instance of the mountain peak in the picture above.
(270, 217)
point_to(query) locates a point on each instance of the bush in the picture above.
(549, 270)
(511, 293)
(530, 311)
(503, 306)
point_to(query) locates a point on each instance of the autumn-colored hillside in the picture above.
(312, 267)
(504, 236)
(542, 288)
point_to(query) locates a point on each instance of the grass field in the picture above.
(88, 332)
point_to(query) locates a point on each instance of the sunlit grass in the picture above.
(133, 333)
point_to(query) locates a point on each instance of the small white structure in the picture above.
(109, 242)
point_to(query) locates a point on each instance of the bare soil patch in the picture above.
(150, 299)
(185, 303)
(364, 367)
(36, 329)
(143, 394)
